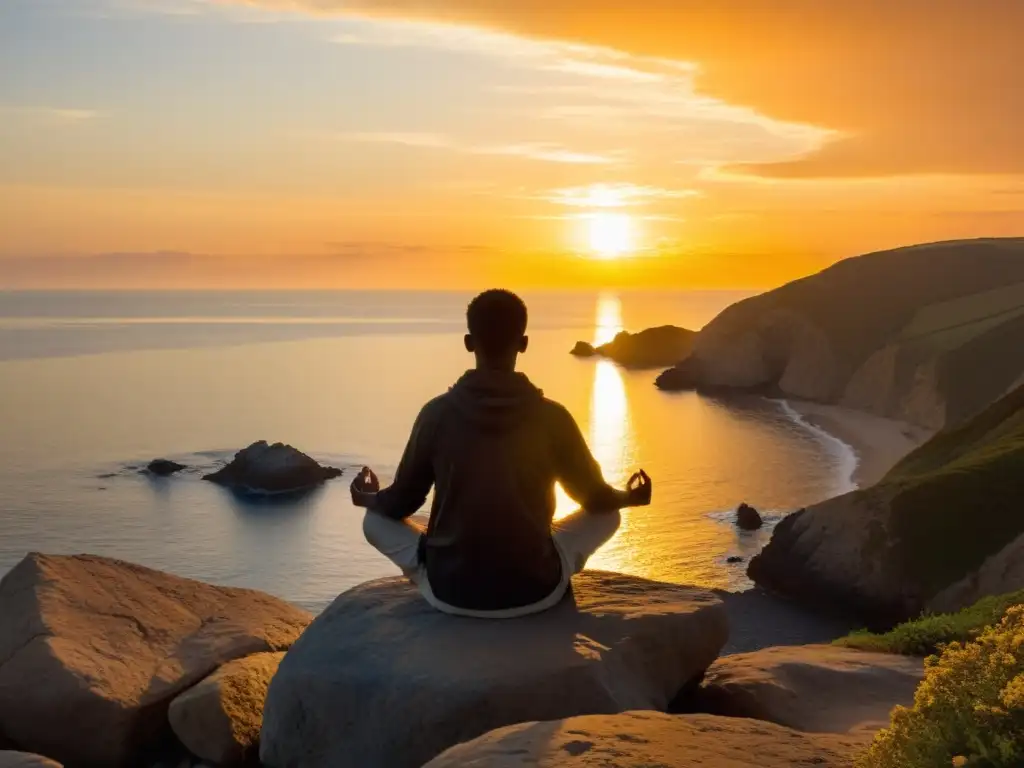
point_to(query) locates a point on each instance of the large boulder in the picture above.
(887, 552)
(382, 679)
(651, 740)
(650, 348)
(220, 718)
(272, 469)
(26, 760)
(93, 650)
(815, 688)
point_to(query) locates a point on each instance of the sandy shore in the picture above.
(878, 442)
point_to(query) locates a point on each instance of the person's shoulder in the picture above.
(436, 405)
(555, 411)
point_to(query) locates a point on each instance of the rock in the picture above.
(220, 718)
(382, 679)
(164, 467)
(583, 349)
(271, 469)
(734, 559)
(651, 740)
(748, 518)
(815, 688)
(93, 650)
(650, 348)
(683, 376)
(1003, 572)
(25, 760)
(801, 340)
(888, 552)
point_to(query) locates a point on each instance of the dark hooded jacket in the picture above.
(493, 447)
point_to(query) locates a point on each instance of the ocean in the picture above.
(93, 385)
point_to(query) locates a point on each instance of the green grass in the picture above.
(927, 635)
(950, 324)
(956, 500)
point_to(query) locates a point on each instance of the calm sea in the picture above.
(94, 385)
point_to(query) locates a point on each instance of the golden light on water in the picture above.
(609, 319)
(609, 431)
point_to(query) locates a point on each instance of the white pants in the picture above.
(576, 538)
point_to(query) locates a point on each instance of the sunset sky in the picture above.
(460, 143)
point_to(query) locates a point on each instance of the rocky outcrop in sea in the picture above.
(263, 468)
(650, 348)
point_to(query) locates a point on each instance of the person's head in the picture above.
(497, 329)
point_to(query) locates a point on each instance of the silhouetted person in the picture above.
(493, 448)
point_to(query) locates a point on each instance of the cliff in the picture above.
(890, 551)
(901, 333)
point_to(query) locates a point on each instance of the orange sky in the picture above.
(460, 143)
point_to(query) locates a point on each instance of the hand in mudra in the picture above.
(639, 489)
(364, 487)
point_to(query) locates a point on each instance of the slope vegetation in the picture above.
(931, 523)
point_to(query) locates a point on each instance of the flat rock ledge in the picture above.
(381, 679)
(651, 740)
(812, 688)
(93, 650)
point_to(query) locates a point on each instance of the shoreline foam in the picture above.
(875, 443)
(847, 453)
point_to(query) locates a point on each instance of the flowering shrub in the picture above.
(968, 711)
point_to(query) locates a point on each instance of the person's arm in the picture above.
(581, 476)
(412, 482)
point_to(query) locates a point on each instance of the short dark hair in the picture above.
(497, 321)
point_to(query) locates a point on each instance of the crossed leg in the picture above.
(577, 537)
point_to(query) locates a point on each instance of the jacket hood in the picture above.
(494, 400)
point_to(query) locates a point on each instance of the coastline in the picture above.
(877, 443)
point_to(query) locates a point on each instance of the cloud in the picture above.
(601, 92)
(551, 153)
(613, 195)
(51, 114)
(908, 86)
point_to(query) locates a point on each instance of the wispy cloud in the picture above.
(597, 91)
(406, 139)
(596, 69)
(551, 153)
(66, 115)
(541, 151)
(613, 195)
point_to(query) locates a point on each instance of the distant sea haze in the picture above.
(94, 385)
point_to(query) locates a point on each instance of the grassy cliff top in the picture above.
(927, 635)
(959, 498)
(861, 303)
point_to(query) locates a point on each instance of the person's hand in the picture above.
(638, 489)
(364, 487)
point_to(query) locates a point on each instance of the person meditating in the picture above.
(493, 448)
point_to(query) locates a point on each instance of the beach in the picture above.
(877, 442)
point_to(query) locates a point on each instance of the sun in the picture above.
(610, 234)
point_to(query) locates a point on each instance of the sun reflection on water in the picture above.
(610, 433)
